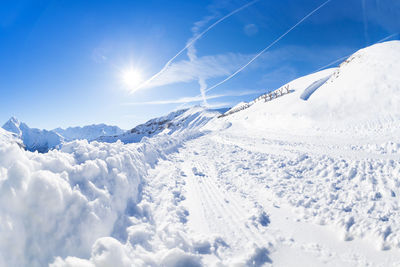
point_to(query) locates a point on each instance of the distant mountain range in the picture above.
(179, 121)
(362, 93)
(44, 140)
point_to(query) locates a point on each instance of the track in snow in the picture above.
(258, 202)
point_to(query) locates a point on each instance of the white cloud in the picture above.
(205, 67)
(192, 50)
(222, 65)
(191, 99)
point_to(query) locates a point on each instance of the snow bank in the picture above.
(60, 203)
(366, 87)
(361, 96)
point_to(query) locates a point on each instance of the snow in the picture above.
(61, 202)
(313, 87)
(89, 132)
(44, 140)
(33, 139)
(307, 179)
(8, 137)
(182, 121)
(238, 105)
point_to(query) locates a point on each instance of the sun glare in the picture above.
(131, 78)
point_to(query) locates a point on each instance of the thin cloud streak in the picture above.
(345, 57)
(198, 98)
(205, 67)
(191, 42)
(268, 47)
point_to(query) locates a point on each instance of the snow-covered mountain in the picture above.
(89, 132)
(9, 137)
(310, 178)
(33, 139)
(181, 121)
(362, 95)
(44, 140)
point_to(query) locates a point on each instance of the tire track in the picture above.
(229, 210)
(238, 210)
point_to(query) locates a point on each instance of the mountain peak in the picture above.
(13, 120)
(13, 125)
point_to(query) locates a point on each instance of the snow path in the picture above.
(263, 201)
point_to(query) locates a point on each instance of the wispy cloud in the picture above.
(205, 67)
(201, 69)
(193, 99)
(190, 45)
(266, 48)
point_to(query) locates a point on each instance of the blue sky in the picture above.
(62, 62)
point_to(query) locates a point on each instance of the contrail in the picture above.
(333, 62)
(365, 20)
(387, 37)
(192, 41)
(266, 48)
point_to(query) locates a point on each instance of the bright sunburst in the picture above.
(131, 78)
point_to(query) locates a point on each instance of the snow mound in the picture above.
(177, 122)
(362, 95)
(33, 139)
(89, 132)
(366, 87)
(63, 202)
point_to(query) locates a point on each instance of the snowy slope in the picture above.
(9, 137)
(364, 89)
(181, 121)
(362, 96)
(89, 132)
(289, 182)
(33, 139)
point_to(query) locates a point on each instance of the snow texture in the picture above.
(181, 121)
(295, 181)
(312, 88)
(61, 202)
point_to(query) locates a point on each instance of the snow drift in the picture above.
(361, 95)
(91, 204)
(61, 202)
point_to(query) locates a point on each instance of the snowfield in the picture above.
(311, 178)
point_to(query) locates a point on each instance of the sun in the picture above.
(131, 78)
